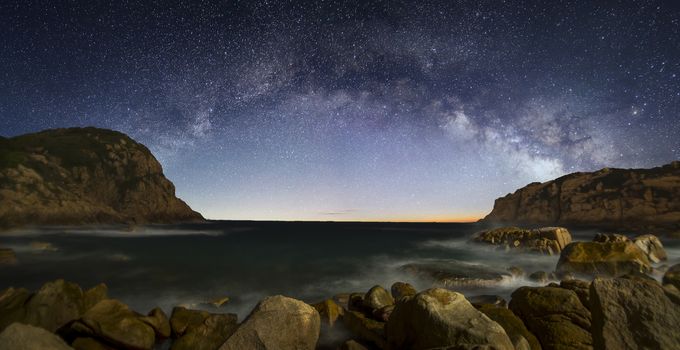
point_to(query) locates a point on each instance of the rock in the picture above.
(114, 323)
(491, 300)
(352, 345)
(86, 343)
(329, 311)
(94, 295)
(547, 240)
(356, 302)
(554, 315)
(672, 276)
(277, 322)
(43, 247)
(441, 318)
(515, 271)
(610, 237)
(606, 259)
(539, 276)
(633, 314)
(12, 308)
(402, 289)
(608, 199)
(218, 302)
(520, 336)
(652, 247)
(456, 274)
(383, 314)
(25, 337)
(200, 330)
(81, 176)
(377, 297)
(7, 257)
(581, 288)
(54, 305)
(365, 328)
(158, 320)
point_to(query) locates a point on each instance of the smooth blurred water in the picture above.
(188, 265)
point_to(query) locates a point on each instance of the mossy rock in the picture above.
(605, 259)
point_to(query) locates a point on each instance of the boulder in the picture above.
(491, 300)
(329, 311)
(652, 247)
(352, 345)
(113, 322)
(606, 259)
(515, 271)
(610, 237)
(520, 336)
(672, 276)
(377, 297)
(94, 295)
(18, 336)
(455, 274)
(402, 289)
(200, 330)
(554, 315)
(383, 314)
(54, 305)
(442, 318)
(12, 308)
(581, 288)
(547, 240)
(158, 320)
(539, 276)
(365, 328)
(633, 314)
(7, 257)
(356, 302)
(277, 322)
(86, 343)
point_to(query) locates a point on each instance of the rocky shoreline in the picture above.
(600, 296)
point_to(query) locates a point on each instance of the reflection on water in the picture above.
(246, 261)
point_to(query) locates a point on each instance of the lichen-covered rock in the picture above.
(606, 259)
(84, 176)
(402, 289)
(608, 198)
(200, 330)
(442, 318)
(581, 288)
(652, 247)
(19, 336)
(54, 304)
(329, 311)
(279, 323)
(672, 276)
(456, 274)
(520, 336)
(633, 313)
(554, 315)
(547, 240)
(377, 297)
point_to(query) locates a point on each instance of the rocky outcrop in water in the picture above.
(632, 199)
(603, 259)
(546, 240)
(84, 176)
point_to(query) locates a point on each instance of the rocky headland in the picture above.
(615, 199)
(84, 176)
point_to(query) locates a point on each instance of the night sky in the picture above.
(333, 110)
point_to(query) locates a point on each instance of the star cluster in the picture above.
(353, 110)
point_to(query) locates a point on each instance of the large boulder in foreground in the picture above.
(547, 240)
(633, 313)
(277, 322)
(84, 176)
(604, 259)
(520, 336)
(555, 315)
(19, 336)
(442, 318)
(200, 330)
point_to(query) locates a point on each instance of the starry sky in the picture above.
(353, 110)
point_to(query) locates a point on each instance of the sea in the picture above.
(190, 265)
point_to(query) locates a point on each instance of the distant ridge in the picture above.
(79, 176)
(629, 199)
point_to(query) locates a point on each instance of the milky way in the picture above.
(353, 110)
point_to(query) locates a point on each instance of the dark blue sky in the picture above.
(336, 110)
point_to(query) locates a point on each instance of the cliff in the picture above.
(84, 176)
(631, 199)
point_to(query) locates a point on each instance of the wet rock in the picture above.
(547, 240)
(19, 336)
(402, 289)
(365, 328)
(12, 308)
(515, 271)
(200, 330)
(456, 274)
(329, 311)
(610, 237)
(603, 259)
(672, 276)
(520, 336)
(633, 314)
(54, 305)
(158, 320)
(377, 297)
(539, 276)
(652, 247)
(491, 300)
(581, 288)
(7, 257)
(554, 315)
(277, 322)
(442, 318)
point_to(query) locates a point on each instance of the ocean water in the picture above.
(246, 261)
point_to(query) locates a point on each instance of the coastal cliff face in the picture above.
(633, 199)
(84, 176)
